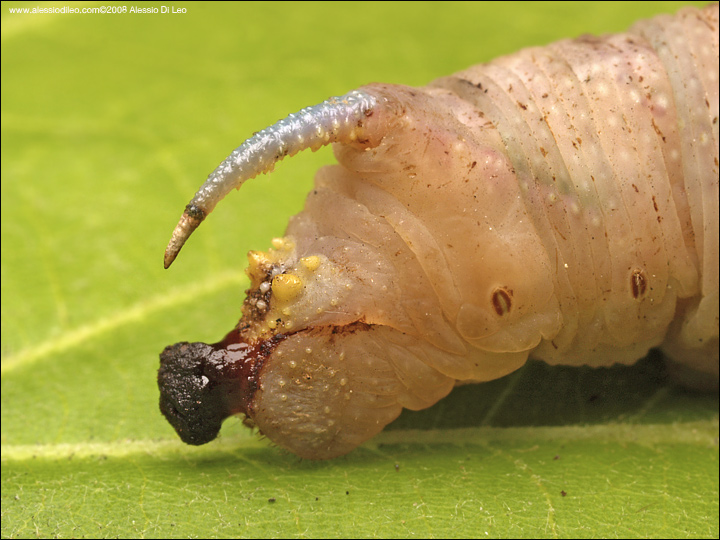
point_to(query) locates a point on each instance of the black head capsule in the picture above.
(201, 385)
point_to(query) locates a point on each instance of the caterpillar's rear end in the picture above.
(559, 203)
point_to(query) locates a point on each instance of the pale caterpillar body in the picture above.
(560, 203)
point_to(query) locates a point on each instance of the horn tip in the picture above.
(190, 220)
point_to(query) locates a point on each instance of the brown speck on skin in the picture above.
(638, 284)
(657, 130)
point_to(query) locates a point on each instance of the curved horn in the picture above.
(338, 119)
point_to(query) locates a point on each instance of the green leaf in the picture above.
(109, 124)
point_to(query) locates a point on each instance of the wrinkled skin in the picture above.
(560, 203)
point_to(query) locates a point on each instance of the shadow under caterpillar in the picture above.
(560, 203)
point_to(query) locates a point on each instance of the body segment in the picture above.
(560, 203)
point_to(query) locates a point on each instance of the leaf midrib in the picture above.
(700, 433)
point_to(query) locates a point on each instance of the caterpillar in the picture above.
(560, 203)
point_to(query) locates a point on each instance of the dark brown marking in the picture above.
(657, 130)
(502, 300)
(195, 212)
(638, 284)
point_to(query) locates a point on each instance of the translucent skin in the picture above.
(560, 203)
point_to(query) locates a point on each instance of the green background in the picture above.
(109, 124)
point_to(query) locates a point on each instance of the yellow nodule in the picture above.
(311, 263)
(285, 287)
(256, 261)
(282, 244)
